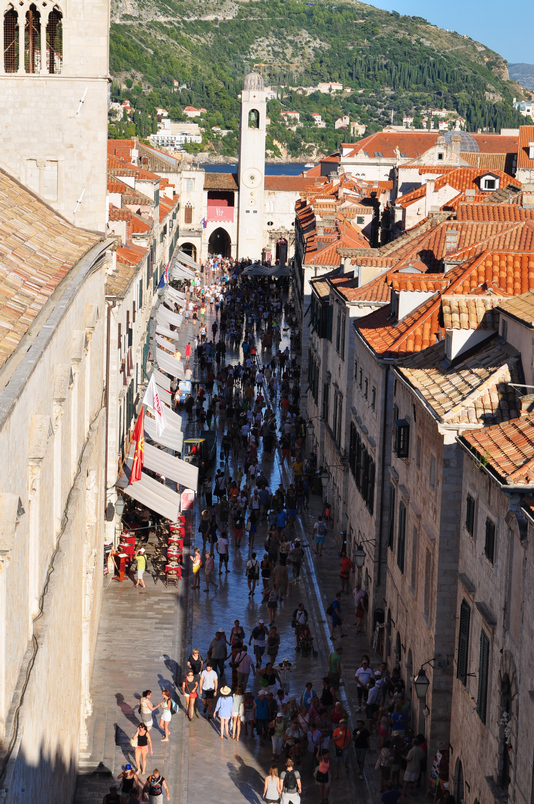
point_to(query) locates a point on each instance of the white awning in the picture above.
(165, 344)
(159, 498)
(180, 271)
(166, 316)
(162, 381)
(169, 364)
(187, 260)
(174, 296)
(170, 437)
(172, 468)
(161, 329)
(174, 419)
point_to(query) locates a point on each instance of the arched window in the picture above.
(11, 41)
(32, 41)
(54, 42)
(253, 119)
(188, 213)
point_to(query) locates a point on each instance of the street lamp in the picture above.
(359, 556)
(325, 478)
(119, 506)
(421, 684)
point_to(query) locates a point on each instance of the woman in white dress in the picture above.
(165, 715)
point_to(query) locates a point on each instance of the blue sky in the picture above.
(491, 22)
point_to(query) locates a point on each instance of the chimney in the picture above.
(526, 405)
(470, 195)
(456, 141)
(451, 240)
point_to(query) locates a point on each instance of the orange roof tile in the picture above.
(130, 254)
(507, 449)
(504, 213)
(526, 135)
(415, 332)
(38, 248)
(292, 183)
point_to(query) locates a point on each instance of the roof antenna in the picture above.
(78, 202)
(82, 101)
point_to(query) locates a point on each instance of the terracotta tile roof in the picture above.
(520, 307)
(37, 250)
(474, 391)
(119, 281)
(415, 332)
(140, 225)
(130, 254)
(485, 161)
(470, 312)
(166, 205)
(517, 237)
(504, 213)
(376, 291)
(117, 186)
(321, 287)
(116, 214)
(408, 199)
(294, 184)
(526, 135)
(507, 449)
(119, 167)
(415, 143)
(220, 181)
(422, 283)
(461, 179)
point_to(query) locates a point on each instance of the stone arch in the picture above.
(220, 243)
(54, 42)
(32, 40)
(254, 118)
(11, 40)
(190, 249)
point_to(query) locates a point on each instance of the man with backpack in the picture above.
(290, 786)
(253, 573)
(319, 532)
(154, 786)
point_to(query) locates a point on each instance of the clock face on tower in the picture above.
(251, 177)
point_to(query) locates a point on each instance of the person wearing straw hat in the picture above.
(224, 710)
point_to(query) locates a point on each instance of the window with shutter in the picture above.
(401, 536)
(391, 520)
(371, 486)
(470, 515)
(483, 669)
(489, 544)
(402, 438)
(463, 642)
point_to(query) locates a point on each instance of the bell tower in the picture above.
(251, 171)
(54, 74)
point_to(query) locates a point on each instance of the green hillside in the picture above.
(395, 65)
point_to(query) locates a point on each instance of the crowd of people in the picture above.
(253, 402)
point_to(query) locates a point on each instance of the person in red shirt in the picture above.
(344, 571)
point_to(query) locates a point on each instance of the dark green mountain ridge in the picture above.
(395, 65)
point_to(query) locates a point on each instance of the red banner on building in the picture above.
(139, 438)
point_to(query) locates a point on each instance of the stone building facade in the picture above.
(52, 442)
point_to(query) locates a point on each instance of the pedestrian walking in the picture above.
(238, 712)
(209, 682)
(190, 692)
(271, 792)
(290, 785)
(146, 708)
(252, 570)
(342, 740)
(129, 781)
(346, 566)
(223, 709)
(209, 566)
(259, 636)
(154, 787)
(141, 742)
(322, 773)
(222, 549)
(166, 714)
(141, 567)
(319, 534)
(361, 737)
(197, 564)
(272, 603)
(337, 619)
(245, 665)
(273, 644)
(261, 715)
(217, 651)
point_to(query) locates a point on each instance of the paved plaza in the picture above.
(146, 636)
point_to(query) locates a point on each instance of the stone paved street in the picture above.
(143, 642)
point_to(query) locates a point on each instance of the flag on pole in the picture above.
(139, 438)
(153, 401)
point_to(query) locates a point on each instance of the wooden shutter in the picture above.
(483, 669)
(401, 536)
(463, 642)
(470, 515)
(489, 546)
(371, 486)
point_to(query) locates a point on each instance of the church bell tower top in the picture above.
(253, 81)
